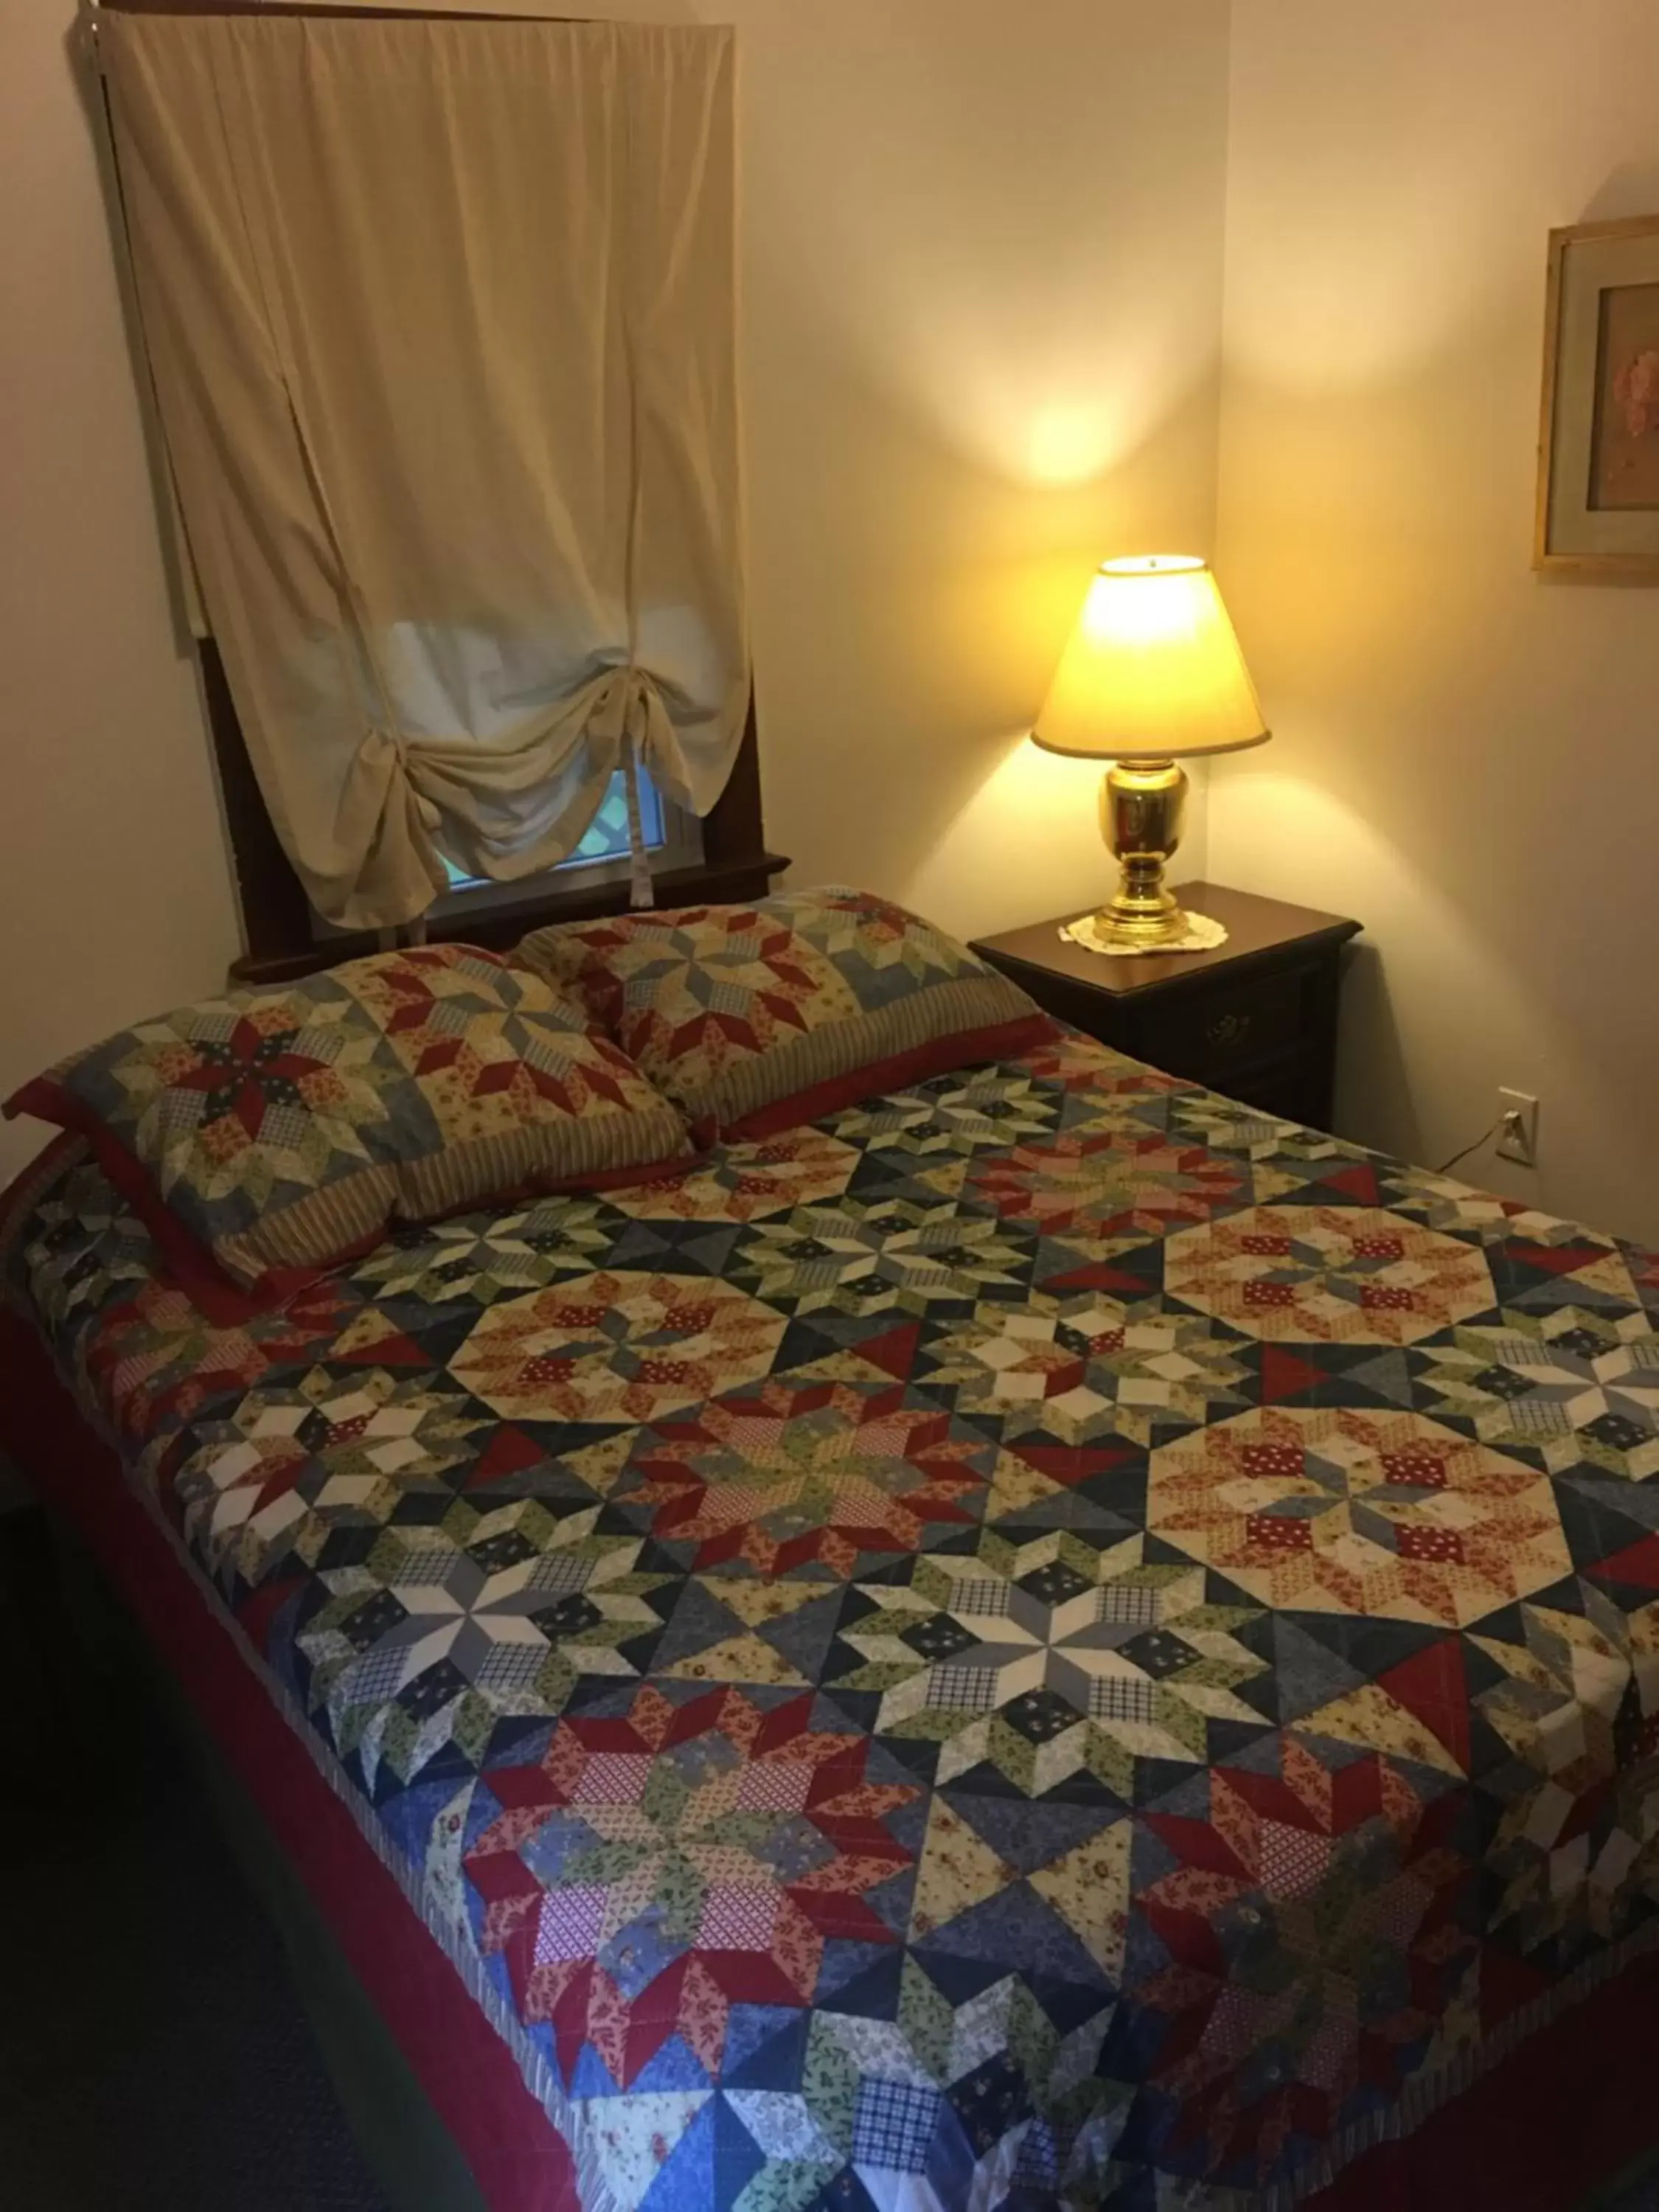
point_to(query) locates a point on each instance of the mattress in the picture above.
(1050, 1640)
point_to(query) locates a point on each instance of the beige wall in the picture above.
(114, 895)
(983, 310)
(982, 313)
(1465, 756)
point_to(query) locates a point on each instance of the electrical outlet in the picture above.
(1517, 1134)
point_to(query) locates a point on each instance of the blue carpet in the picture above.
(154, 2055)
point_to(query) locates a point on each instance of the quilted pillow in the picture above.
(280, 1130)
(755, 1018)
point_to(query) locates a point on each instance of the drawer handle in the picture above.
(1229, 1028)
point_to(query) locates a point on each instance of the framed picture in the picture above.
(1598, 455)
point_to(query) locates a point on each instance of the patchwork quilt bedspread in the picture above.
(1048, 1641)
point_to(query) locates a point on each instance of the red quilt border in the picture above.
(1561, 2116)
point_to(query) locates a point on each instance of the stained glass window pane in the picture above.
(606, 834)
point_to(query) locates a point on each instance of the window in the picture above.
(673, 839)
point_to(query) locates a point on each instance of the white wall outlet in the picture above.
(1517, 1134)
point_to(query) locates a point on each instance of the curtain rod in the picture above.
(330, 10)
(92, 9)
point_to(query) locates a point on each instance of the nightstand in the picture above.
(1256, 1018)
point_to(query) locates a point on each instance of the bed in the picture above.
(1046, 1640)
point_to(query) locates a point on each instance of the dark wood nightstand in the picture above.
(1256, 1018)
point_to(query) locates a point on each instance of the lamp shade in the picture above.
(1152, 669)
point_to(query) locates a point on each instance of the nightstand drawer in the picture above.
(1296, 1089)
(1203, 1033)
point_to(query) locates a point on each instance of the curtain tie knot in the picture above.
(390, 754)
(622, 709)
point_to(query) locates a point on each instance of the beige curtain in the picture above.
(441, 320)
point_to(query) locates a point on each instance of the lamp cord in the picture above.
(1447, 1166)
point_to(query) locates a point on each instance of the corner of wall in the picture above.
(1440, 711)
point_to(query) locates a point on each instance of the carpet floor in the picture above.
(1638, 2193)
(154, 2056)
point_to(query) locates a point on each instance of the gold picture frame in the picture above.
(1598, 446)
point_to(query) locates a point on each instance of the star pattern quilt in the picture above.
(1048, 1641)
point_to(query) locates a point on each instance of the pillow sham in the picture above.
(279, 1130)
(755, 1018)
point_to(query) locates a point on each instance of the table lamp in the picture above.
(1153, 672)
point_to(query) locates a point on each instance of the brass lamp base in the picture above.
(1142, 804)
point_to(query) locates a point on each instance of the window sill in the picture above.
(710, 883)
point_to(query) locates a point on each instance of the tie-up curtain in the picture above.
(440, 316)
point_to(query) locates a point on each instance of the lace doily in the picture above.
(1202, 935)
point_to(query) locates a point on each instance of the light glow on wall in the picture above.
(1069, 420)
(1025, 304)
(1068, 445)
